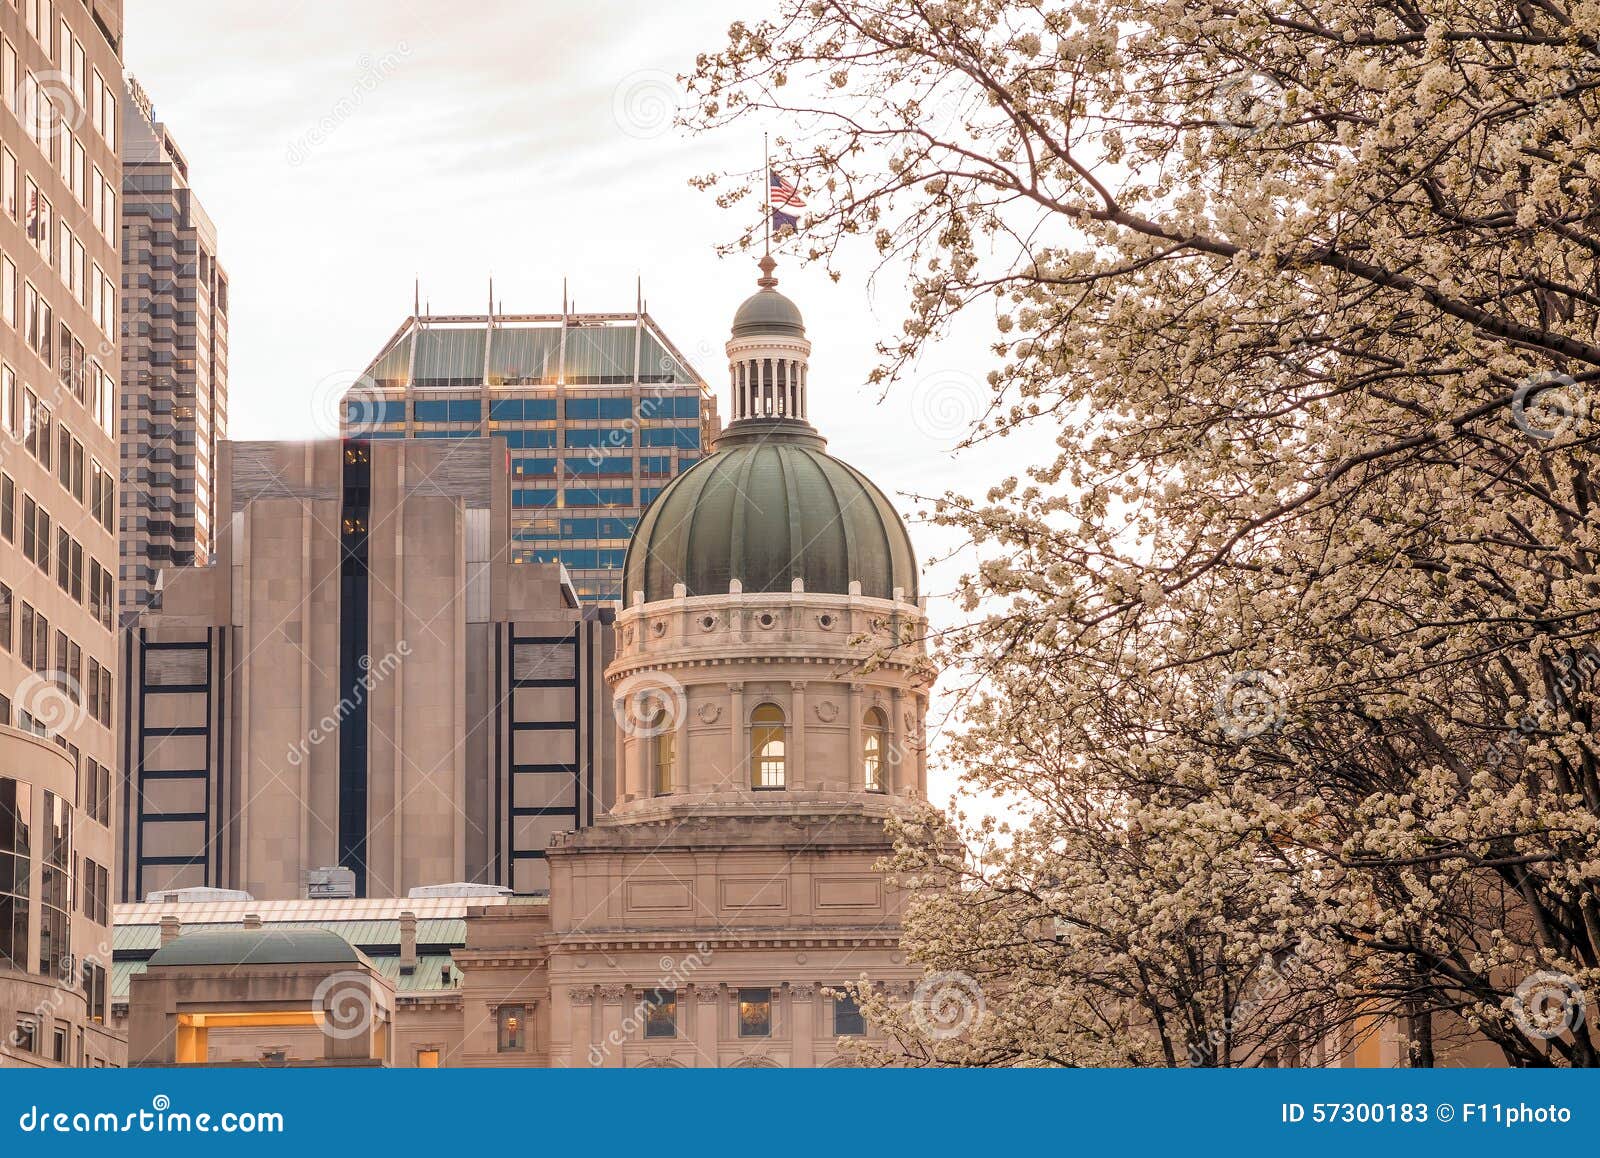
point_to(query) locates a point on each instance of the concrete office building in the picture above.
(174, 358)
(599, 411)
(60, 82)
(361, 679)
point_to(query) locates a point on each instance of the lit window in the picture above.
(874, 746)
(755, 1013)
(511, 1021)
(663, 750)
(767, 747)
(847, 1019)
(427, 1059)
(661, 1013)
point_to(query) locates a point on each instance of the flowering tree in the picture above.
(1289, 651)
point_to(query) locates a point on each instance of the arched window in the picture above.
(874, 751)
(767, 747)
(663, 752)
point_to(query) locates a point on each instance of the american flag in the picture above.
(783, 196)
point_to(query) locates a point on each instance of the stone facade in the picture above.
(362, 679)
(55, 941)
(60, 688)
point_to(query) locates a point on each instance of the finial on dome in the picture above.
(766, 280)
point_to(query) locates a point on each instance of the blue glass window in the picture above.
(447, 434)
(370, 412)
(522, 410)
(521, 467)
(599, 409)
(533, 498)
(598, 528)
(451, 410)
(612, 437)
(647, 495)
(688, 407)
(599, 496)
(528, 439)
(687, 437)
(599, 465)
(588, 557)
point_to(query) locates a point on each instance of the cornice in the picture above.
(621, 668)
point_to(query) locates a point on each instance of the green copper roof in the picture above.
(768, 507)
(768, 312)
(256, 947)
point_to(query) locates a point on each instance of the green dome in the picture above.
(766, 508)
(256, 947)
(768, 312)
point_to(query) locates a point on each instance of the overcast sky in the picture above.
(345, 148)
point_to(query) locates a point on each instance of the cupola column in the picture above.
(798, 775)
(739, 764)
(854, 771)
(896, 763)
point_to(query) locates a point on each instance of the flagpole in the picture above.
(766, 167)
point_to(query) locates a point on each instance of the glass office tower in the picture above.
(598, 412)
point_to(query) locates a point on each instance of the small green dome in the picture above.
(768, 312)
(766, 508)
(256, 947)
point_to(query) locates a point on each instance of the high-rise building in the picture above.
(174, 358)
(60, 83)
(361, 681)
(598, 412)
